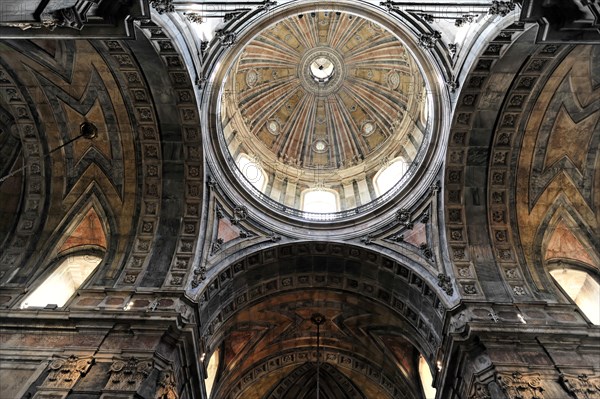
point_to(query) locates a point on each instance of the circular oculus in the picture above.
(322, 68)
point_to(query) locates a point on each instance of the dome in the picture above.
(324, 101)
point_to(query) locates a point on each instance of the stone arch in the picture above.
(480, 165)
(369, 291)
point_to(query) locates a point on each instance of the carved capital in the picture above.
(128, 374)
(64, 372)
(581, 386)
(519, 386)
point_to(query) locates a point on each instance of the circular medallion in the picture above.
(273, 127)
(368, 128)
(320, 146)
(252, 78)
(393, 80)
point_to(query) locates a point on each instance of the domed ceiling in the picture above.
(324, 97)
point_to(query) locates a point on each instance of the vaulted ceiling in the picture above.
(512, 191)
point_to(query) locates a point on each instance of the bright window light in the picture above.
(426, 379)
(386, 178)
(583, 289)
(319, 201)
(253, 172)
(63, 282)
(211, 372)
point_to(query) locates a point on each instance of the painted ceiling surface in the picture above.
(327, 90)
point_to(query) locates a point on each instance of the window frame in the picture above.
(377, 175)
(54, 265)
(258, 166)
(570, 264)
(329, 190)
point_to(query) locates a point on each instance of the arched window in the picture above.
(320, 201)
(63, 282)
(391, 174)
(211, 372)
(582, 288)
(426, 379)
(252, 171)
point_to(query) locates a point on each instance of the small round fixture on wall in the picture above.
(88, 130)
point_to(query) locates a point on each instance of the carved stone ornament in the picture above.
(465, 19)
(427, 252)
(367, 240)
(128, 374)
(429, 18)
(194, 17)
(389, 5)
(267, 5)
(519, 386)
(428, 40)
(403, 218)
(227, 38)
(581, 386)
(445, 283)
(452, 85)
(458, 322)
(66, 371)
(240, 213)
(219, 212)
(480, 391)
(199, 276)
(162, 6)
(274, 237)
(216, 246)
(167, 385)
(501, 8)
